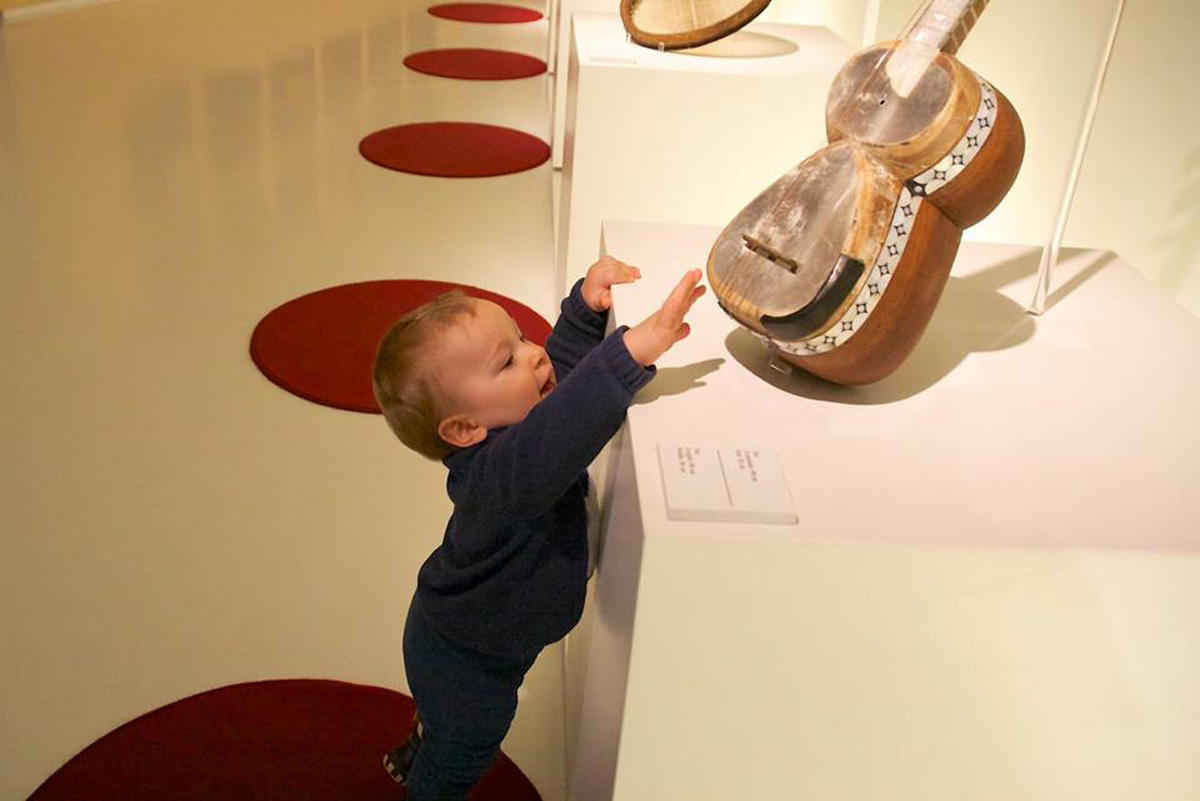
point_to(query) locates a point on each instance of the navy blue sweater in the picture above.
(511, 572)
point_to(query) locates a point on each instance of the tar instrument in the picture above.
(839, 264)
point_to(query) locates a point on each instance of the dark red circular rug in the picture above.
(475, 64)
(495, 13)
(454, 149)
(321, 346)
(288, 739)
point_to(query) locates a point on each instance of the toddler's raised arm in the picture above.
(580, 326)
(576, 332)
(523, 469)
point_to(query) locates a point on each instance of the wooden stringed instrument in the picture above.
(838, 265)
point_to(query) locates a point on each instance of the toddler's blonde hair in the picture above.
(404, 389)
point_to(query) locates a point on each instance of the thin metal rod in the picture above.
(1050, 252)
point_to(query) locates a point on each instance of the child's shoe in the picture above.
(398, 761)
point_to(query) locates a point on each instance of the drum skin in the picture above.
(671, 25)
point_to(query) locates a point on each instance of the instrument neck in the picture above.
(942, 25)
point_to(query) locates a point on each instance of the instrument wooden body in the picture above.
(840, 263)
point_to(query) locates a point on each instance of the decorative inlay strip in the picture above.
(957, 159)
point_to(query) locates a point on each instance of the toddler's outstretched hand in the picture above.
(597, 286)
(654, 336)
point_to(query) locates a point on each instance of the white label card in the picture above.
(709, 482)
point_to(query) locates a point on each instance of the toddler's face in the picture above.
(490, 372)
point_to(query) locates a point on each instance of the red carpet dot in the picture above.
(475, 64)
(300, 738)
(484, 12)
(454, 149)
(322, 346)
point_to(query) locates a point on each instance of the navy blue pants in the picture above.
(466, 701)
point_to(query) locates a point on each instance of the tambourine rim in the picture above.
(693, 38)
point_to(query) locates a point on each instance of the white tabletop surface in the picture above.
(1074, 429)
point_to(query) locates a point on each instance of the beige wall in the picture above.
(843, 17)
(1140, 189)
(1139, 193)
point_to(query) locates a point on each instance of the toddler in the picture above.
(516, 425)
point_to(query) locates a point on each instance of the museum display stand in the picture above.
(992, 590)
(560, 47)
(675, 136)
(560, 13)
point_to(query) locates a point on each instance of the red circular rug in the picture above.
(321, 346)
(289, 739)
(484, 12)
(454, 149)
(475, 64)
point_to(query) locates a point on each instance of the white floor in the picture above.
(170, 171)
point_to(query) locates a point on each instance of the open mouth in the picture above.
(549, 385)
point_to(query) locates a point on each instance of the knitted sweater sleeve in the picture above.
(520, 471)
(577, 331)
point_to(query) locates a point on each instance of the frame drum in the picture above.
(676, 24)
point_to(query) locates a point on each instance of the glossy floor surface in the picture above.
(170, 171)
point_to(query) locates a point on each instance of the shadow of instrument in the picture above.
(839, 264)
(678, 24)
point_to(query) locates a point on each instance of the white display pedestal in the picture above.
(666, 136)
(559, 36)
(993, 591)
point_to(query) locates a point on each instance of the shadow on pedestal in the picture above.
(973, 316)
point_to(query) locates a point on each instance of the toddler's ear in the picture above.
(461, 431)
